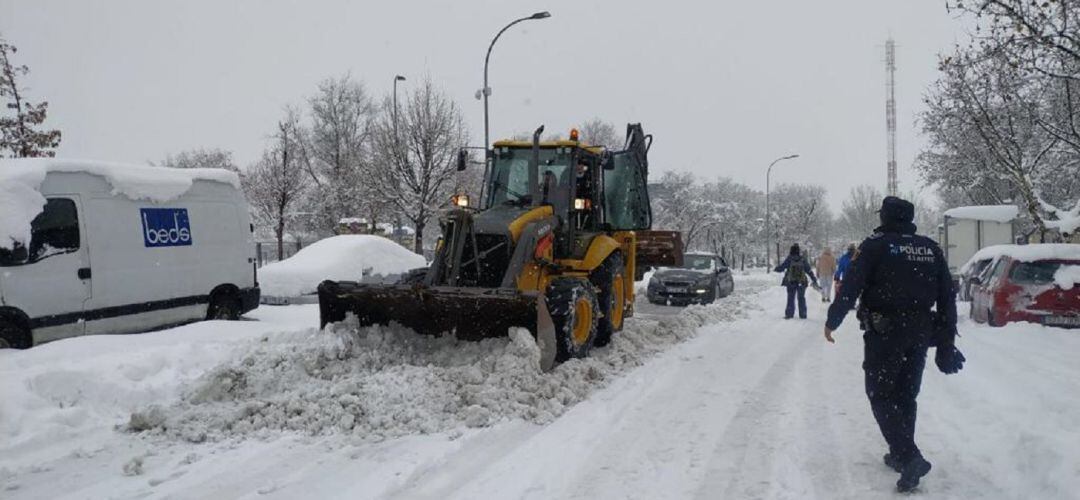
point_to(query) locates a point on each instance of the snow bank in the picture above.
(59, 393)
(347, 257)
(1067, 276)
(20, 180)
(381, 382)
(995, 213)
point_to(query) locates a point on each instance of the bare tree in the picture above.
(1002, 118)
(276, 183)
(736, 226)
(201, 158)
(680, 203)
(982, 122)
(417, 167)
(801, 214)
(18, 129)
(597, 132)
(858, 213)
(336, 150)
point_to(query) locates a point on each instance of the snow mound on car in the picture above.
(1067, 276)
(380, 382)
(347, 257)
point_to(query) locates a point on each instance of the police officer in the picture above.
(900, 276)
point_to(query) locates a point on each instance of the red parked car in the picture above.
(1035, 283)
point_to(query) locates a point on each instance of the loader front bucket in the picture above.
(468, 313)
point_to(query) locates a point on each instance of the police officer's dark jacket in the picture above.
(896, 272)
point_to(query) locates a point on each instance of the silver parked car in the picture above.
(703, 278)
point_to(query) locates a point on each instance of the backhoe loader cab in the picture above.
(552, 248)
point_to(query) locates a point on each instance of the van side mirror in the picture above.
(18, 254)
(462, 159)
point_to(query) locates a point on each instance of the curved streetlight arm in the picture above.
(768, 212)
(789, 157)
(492, 45)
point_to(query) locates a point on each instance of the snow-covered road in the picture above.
(747, 405)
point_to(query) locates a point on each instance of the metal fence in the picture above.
(266, 251)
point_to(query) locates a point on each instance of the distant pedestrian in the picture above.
(797, 276)
(826, 268)
(899, 276)
(842, 267)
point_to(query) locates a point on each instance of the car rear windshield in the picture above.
(1034, 273)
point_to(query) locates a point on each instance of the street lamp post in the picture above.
(397, 150)
(486, 91)
(397, 78)
(768, 212)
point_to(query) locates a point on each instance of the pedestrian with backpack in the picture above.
(798, 274)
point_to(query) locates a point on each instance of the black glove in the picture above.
(949, 359)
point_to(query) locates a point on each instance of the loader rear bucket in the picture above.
(657, 249)
(468, 313)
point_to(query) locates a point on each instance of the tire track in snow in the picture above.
(759, 432)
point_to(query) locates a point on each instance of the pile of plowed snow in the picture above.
(381, 382)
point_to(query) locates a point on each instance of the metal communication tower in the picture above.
(890, 112)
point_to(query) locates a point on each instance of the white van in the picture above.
(106, 248)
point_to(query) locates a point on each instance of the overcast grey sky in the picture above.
(724, 86)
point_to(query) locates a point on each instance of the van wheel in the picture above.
(12, 336)
(224, 306)
(610, 280)
(574, 312)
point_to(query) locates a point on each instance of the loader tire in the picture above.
(610, 281)
(574, 313)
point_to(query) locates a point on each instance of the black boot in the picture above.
(892, 462)
(911, 472)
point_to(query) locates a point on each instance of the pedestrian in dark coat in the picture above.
(798, 274)
(899, 277)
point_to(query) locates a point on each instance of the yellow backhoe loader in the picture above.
(553, 247)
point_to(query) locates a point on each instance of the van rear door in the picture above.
(49, 280)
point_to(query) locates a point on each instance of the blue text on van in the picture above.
(165, 227)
